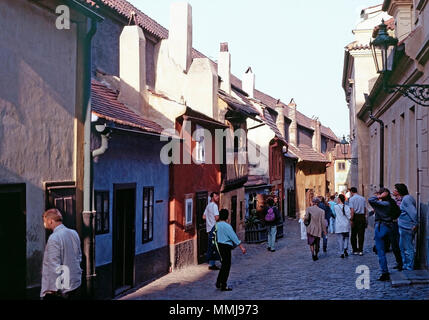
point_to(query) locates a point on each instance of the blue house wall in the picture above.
(134, 158)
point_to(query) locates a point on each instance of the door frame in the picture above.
(117, 187)
(200, 195)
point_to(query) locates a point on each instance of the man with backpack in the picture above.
(386, 211)
(272, 218)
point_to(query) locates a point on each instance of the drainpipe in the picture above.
(88, 214)
(368, 104)
(381, 148)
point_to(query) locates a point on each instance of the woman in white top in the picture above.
(342, 224)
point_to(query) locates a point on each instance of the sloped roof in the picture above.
(125, 9)
(306, 153)
(238, 106)
(105, 105)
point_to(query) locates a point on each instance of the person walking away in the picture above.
(342, 224)
(332, 204)
(385, 212)
(211, 215)
(322, 205)
(359, 221)
(62, 252)
(272, 218)
(315, 221)
(226, 240)
(407, 223)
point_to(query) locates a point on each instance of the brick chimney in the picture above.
(224, 67)
(180, 34)
(132, 68)
(248, 83)
(293, 127)
(317, 138)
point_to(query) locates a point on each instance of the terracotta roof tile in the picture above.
(105, 104)
(124, 8)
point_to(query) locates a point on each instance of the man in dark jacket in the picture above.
(384, 207)
(328, 215)
(272, 224)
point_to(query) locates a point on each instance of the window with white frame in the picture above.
(200, 144)
(188, 211)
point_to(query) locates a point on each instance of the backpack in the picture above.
(270, 216)
(394, 211)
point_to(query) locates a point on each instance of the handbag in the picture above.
(307, 221)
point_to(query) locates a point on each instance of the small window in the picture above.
(188, 211)
(200, 144)
(102, 212)
(148, 196)
(341, 166)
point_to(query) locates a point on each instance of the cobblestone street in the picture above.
(288, 273)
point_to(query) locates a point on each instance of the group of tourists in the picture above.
(395, 223)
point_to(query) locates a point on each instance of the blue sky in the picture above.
(295, 47)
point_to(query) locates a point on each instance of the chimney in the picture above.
(180, 34)
(132, 67)
(293, 127)
(224, 67)
(402, 12)
(280, 121)
(317, 138)
(248, 84)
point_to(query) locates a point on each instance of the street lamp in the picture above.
(383, 51)
(344, 144)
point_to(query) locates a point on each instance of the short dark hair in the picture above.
(332, 197)
(213, 193)
(402, 189)
(223, 214)
(353, 189)
(270, 202)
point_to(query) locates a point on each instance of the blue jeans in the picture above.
(407, 248)
(383, 231)
(325, 241)
(272, 232)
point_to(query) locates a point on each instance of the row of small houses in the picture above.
(88, 116)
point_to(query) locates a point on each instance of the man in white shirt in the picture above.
(359, 217)
(211, 215)
(61, 272)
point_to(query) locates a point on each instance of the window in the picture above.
(188, 211)
(200, 144)
(148, 195)
(341, 166)
(102, 212)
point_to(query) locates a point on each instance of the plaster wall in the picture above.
(37, 111)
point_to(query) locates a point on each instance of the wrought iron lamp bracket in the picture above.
(419, 93)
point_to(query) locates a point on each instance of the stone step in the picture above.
(409, 277)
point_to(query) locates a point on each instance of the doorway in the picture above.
(12, 241)
(124, 206)
(234, 213)
(202, 236)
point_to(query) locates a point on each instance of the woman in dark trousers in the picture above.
(385, 208)
(226, 240)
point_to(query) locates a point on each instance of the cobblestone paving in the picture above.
(287, 274)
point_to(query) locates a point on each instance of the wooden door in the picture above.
(202, 237)
(123, 237)
(12, 241)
